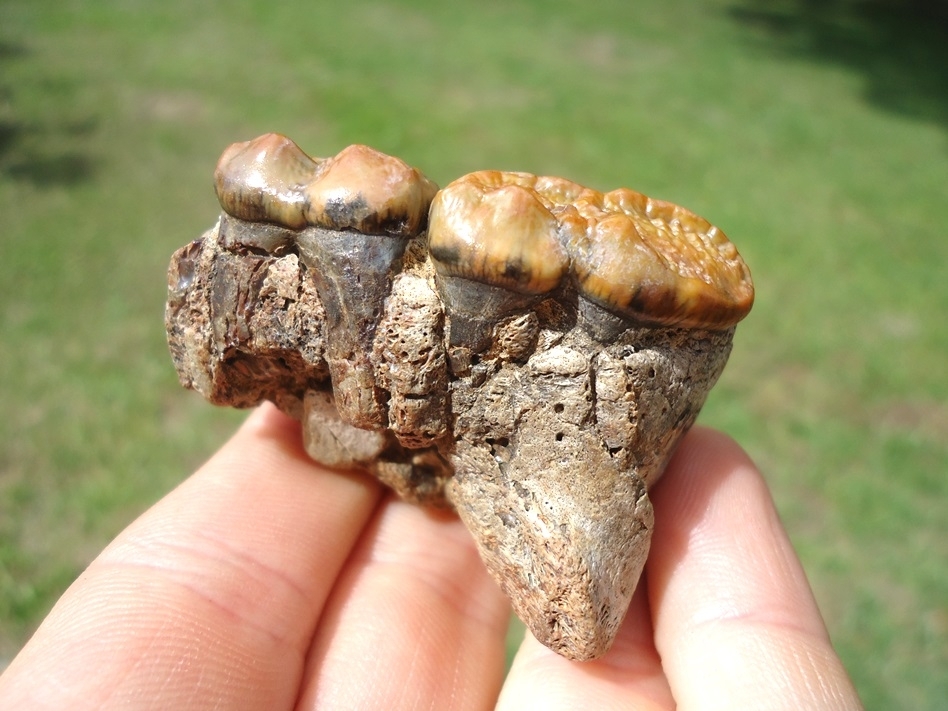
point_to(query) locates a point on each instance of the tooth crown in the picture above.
(647, 260)
(370, 192)
(270, 179)
(643, 259)
(531, 364)
(658, 263)
(262, 180)
(493, 228)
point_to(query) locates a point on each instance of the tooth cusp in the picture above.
(262, 180)
(368, 191)
(497, 233)
(271, 179)
(658, 264)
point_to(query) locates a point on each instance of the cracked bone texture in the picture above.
(508, 374)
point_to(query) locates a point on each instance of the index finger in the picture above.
(210, 599)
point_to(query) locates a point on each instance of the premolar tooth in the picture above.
(350, 217)
(367, 191)
(262, 180)
(364, 206)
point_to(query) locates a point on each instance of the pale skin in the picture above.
(267, 582)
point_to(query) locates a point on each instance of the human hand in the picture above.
(267, 582)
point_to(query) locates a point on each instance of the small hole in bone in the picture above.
(497, 444)
(559, 437)
(558, 407)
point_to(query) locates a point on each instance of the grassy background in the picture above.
(813, 134)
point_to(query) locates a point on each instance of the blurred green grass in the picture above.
(816, 138)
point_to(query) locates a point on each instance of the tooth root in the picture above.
(599, 322)
(567, 549)
(412, 362)
(474, 308)
(416, 475)
(353, 275)
(233, 320)
(260, 236)
(333, 442)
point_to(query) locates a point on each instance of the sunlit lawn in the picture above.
(817, 141)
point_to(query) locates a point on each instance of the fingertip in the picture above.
(733, 611)
(704, 500)
(267, 423)
(702, 459)
(415, 611)
(717, 531)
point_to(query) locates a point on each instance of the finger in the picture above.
(209, 599)
(414, 622)
(628, 676)
(735, 620)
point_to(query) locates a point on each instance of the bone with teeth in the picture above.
(532, 362)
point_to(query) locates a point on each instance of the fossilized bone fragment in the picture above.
(522, 349)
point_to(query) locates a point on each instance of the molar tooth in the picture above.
(262, 180)
(495, 248)
(657, 264)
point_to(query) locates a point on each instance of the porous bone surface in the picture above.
(544, 432)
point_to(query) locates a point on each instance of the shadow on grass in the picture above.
(38, 152)
(900, 47)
